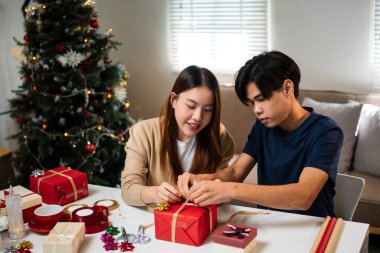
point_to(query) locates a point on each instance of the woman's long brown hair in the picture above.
(208, 151)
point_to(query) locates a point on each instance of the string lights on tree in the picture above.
(72, 106)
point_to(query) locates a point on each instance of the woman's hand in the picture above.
(206, 192)
(168, 193)
(185, 181)
(162, 193)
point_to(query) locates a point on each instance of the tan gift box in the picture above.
(65, 237)
(29, 200)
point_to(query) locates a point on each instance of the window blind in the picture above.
(376, 46)
(217, 34)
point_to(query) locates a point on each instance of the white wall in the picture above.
(329, 39)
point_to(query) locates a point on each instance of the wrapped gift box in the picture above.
(191, 225)
(60, 185)
(234, 238)
(29, 200)
(65, 237)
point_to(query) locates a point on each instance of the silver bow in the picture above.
(38, 173)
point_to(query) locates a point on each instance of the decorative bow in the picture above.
(25, 244)
(140, 237)
(109, 242)
(124, 236)
(126, 246)
(236, 231)
(111, 230)
(2, 203)
(38, 173)
(10, 249)
(162, 206)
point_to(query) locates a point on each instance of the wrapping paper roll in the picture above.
(320, 234)
(331, 245)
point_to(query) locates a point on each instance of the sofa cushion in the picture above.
(366, 157)
(347, 117)
(371, 189)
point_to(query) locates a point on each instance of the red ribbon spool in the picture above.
(95, 218)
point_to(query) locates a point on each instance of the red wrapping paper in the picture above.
(234, 241)
(60, 185)
(192, 224)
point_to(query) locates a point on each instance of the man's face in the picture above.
(271, 112)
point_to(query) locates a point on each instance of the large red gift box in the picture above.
(185, 223)
(29, 200)
(60, 185)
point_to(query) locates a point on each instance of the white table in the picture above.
(277, 231)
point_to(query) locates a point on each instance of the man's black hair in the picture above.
(267, 71)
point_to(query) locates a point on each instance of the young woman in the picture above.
(187, 137)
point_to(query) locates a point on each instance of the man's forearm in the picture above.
(225, 175)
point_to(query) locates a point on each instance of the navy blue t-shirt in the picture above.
(281, 156)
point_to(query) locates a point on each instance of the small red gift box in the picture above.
(185, 223)
(29, 200)
(234, 238)
(60, 185)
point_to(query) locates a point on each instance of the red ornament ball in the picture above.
(61, 47)
(26, 37)
(85, 112)
(94, 23)
(90, 148)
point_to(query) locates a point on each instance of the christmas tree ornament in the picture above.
(71, 59)
(90, 148)
(120, 94)
(26, 37)
(123, 84)
(126, 75)
(61, 47)
(85, 112)
(94, 23)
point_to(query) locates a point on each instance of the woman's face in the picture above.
(193, 111)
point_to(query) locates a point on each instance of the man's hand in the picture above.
(185, 181)
(206, 192)
(166, 193)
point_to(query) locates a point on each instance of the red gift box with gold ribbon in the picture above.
(185, 223)
(60, 186)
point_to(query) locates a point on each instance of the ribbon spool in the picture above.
(95, 218)
(109, 203)
(68, 210)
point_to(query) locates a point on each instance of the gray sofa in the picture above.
(356, 159)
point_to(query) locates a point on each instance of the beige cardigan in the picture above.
(142, 166)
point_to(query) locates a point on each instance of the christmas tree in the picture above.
(71, 107)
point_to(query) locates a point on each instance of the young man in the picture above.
(297, 150)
